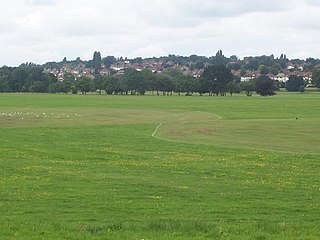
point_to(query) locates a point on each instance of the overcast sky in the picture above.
(47, 30)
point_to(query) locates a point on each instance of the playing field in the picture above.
(155, 167)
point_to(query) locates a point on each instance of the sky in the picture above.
(40, 31)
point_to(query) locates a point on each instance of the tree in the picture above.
(84, 84)
(48, 78)
(4, 84)
(191, 85)
(136, 82)
(199, 65)
(30, 78)
(123, 85)
(275, 68)
(164, 83)
(234, 58)
(248, 87)
(109, 60)
(215, 79)
(69, 83)
(38, 87)
(98, 83)
(177, 77)
(173, 72)
(138, 60)
(263, 69)
(18, 79)
(96, 62)
(294, 83)
(243, 72)
(233, 88)
(111, 84)
(302, 89)
(149, 78)
(219, 58)
(68, 77)
(54, 87)
(316, 77)
(235, 66)
(264, 86)
(187, 84)
(27, 77)
(78, 60)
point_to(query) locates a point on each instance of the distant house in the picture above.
(104, 72)
(246, 79)
(308, 79)
(290, 67)
(281, 77)
(117, 68)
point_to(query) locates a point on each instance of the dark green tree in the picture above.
(187, 84)
(264, 86)
(84, 85)
(243, 72)
(275, 68)
(4, 84)
(148, 77)
(263, 69)
(248, 87)
(191, 85)
(316, 77)
(136, 82)
(69, 83)
(98, 83)
(111, 84)
(215, 79)
(199, 65)
(96, 62)
(294, 83)
(38, 87)
(177, 77)
(18, 79)
(219, 58)
(233, 88)
(55, 88)
(109, 60)
(302, 89)
(164, 83)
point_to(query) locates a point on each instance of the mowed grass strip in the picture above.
(287, 135)
(115, 181)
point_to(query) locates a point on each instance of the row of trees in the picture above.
(27, 78)
(215, 80)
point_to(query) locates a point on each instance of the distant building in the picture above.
(246, 79)
(281, 77)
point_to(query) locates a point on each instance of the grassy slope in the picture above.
(102, 175)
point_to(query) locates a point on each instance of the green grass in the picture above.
(88, 167)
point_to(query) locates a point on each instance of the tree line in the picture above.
(26, 78)
(216, 80)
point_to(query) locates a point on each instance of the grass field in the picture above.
(154, 167)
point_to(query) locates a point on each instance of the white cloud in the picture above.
(48, 30)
